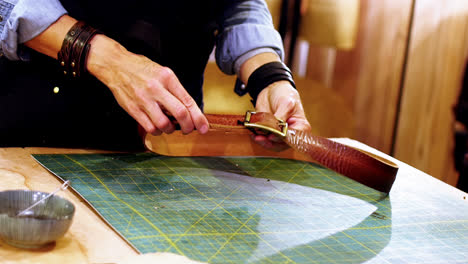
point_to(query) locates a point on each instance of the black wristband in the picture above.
(73, 54)
(265, 75)
(67, 45)
(81, 50)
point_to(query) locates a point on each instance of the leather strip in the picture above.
(363, 167)
(67, 45)
(79, 49)
(75, 47)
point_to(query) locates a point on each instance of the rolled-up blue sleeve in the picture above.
(245, 26)
(22, 20)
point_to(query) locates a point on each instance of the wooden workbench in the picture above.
(91, 240)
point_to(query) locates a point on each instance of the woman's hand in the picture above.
(281, 99)
(145, 89)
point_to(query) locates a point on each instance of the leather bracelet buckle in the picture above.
(279, 128)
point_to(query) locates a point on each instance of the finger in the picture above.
(158, 118)
(262, 106)
(144, 122)
(274, 138)
(196, 116)
(285, 109)
(265, 142)
(278, 142)
(262, 141)
(157, 132)
(178, 111)
(299, 124)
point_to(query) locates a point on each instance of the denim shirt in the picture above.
(246, 30)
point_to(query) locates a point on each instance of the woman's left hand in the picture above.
(282, 100)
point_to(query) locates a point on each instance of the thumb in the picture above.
(285, 109)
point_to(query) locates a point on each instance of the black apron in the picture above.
(84, 113)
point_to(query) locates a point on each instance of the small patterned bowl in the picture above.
(42, 225)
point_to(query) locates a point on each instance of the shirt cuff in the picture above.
(27, 19)
(237, 40)
(5, 11)
(249, 54)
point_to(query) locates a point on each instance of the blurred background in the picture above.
(388, 73)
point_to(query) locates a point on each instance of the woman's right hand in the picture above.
(145, 89)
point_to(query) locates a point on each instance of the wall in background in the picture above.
(369, 75)
(402, 78)
(394, 90)
(436, 60)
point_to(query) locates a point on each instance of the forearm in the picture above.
(143, 88)
(24, 20)
(104, 52)
(249, 66)
(246, 25)
(50, 40)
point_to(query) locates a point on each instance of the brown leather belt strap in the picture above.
(363, 167)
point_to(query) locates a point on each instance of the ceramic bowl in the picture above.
(42, 225)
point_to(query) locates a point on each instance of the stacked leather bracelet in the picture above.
(75, 48)
(265, 75)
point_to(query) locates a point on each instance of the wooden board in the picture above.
(368, 76)
(89, 239)
(437, 57)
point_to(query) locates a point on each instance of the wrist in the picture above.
(50, 40)
(266, 75)
(74, 51)
(249, 66)
(104, 56)
(283, 86)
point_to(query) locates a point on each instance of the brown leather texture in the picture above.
(363, 167)
(221, 121)
(237, 121)
(79, 51)
(67, 45)
(75, 47)
(358, 165)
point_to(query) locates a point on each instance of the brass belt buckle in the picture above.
(281, 124)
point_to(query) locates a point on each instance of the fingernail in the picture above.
(204, 129)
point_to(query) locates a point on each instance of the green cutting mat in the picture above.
(266, 210)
